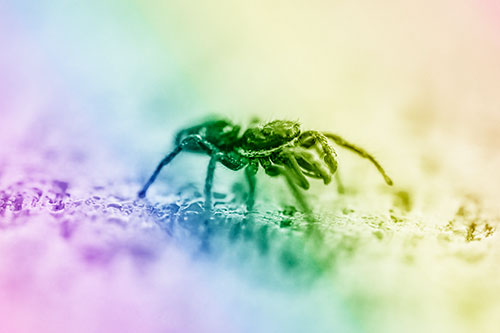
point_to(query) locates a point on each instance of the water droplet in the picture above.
(60, 185)
(115, 207)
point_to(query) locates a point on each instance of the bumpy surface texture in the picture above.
(93, 92)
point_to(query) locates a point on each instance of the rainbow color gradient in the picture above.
(93, 92)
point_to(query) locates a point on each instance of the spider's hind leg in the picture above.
(187, 143)
(164, 162)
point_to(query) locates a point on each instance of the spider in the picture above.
(279, 146)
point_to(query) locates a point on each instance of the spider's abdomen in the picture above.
(219, 132)
(271, 135)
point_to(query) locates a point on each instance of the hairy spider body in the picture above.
(279, 147)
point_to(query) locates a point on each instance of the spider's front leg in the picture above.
(287, 159)
(274, 171)
(311, 165)
(320, 142)
(361, 152)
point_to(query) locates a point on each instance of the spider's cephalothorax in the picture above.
(267, 137)
(279, 146)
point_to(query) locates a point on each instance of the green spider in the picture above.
(279, 146)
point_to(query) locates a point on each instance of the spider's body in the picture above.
(268, 138)
(279, 146)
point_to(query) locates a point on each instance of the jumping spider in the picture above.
(279, 146)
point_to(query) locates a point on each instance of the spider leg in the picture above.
(214, 156)
(301, 200)
(269, 168)
(250, 172)
(209, 181)
(311, 165)
(361, 152)
(196, 139)
(164, 162)
(291, 164)
(309, 138)
(274, 170)
(340, 184)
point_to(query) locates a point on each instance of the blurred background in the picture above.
(414, 83)
(106, 85)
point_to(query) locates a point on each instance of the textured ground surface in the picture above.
(88, 255)
(92, 93)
